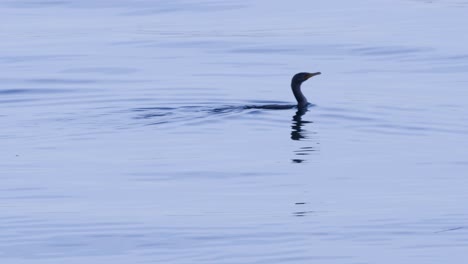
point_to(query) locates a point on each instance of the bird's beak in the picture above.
(312, 75)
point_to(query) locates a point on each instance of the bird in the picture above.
(301, 105)
(296, 83)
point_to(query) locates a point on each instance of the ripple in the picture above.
(388, 51)
(173, 115)
(30, 58)
(102, 70)
(349, 117)
(33, 91)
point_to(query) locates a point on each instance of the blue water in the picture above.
(126, 138)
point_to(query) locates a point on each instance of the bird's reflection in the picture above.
(298, 133)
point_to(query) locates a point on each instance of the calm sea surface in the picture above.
(125, 138)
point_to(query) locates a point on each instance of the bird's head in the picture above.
(302, 77)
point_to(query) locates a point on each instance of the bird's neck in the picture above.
(301, 99)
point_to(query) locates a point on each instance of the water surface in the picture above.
(125, 137)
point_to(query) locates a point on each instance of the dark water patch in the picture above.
(189, 175)
(205, 44)
(102, 70)
(349, 117)
(459, 57)
(335, 109)
(436, 58)
(32, 58)
(246, 64)
(158, 123)
(22, 189)
(263, 50)
(90, 101)
(50, 247)
(36, 197)
(254, 112)
(305, 150)
(248, 75)
(225, 110)
(209, 46)
(417, 60)
(271, 107)
(132, 43)
(168, 115)
(267, 102)
(186, 6)
(384, 119)
(403, 127)
(153, 115)
(450, 3)
(69, 81)
(17, 101)
(442, 70)
(35, 4)
(389, 51)
(337, 52)
(450, 229)
(460, 163)
(400, 108)
(60, 81)
(34, 91)
(376, 131)
(422, 129)
(302, 213)
(17, 220)
(42, 225)
(143, 109)
(136, 8)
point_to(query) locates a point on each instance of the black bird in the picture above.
(296, 82)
